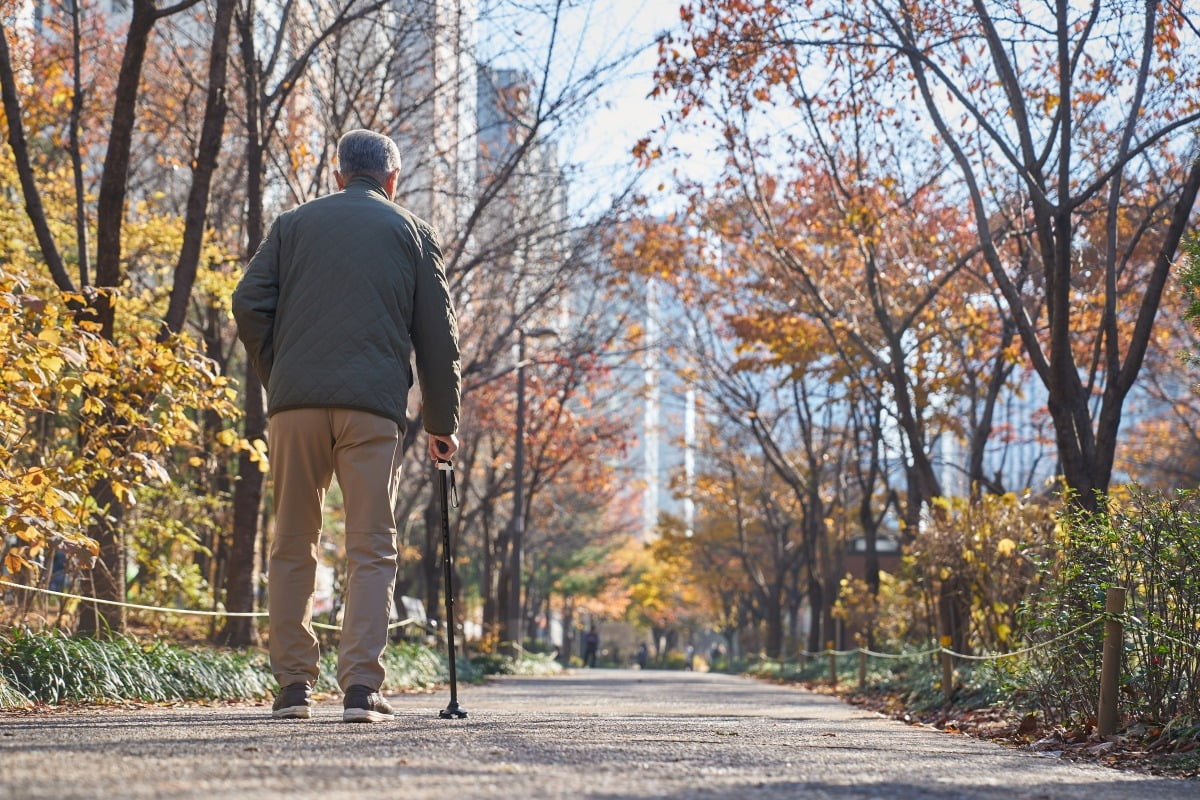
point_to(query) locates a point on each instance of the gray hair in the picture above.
(363, 152)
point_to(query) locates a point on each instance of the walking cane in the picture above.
(446, 480)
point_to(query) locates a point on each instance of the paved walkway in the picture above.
(601, 734)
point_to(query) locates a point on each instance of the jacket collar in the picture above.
(365, 183)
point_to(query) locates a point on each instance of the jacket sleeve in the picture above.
(435, 341)
(254, 302)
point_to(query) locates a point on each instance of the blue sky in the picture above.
(591, 32)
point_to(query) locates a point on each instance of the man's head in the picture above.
(366, 153)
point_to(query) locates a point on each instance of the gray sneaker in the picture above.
(364, 704)
(294, 701)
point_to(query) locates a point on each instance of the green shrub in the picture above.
(672, 659)
(536, 664)
(1145, 542)
(10, 697)
(525, 664)
(52, 667)
(1150, 545)
(408, 666)
(492, 664)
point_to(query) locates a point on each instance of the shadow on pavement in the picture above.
(894, 790)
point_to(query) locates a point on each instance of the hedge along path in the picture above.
(191, 611)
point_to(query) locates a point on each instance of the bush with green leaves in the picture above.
(525, 664)
(1149, 544)
(1143, 541)
(10, 697)
(407, 665)
(52, 667)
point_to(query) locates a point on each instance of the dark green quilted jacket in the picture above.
(340, 294)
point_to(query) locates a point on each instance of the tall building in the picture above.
(435, 108)
(521, 188)
(659, 406)
(668, 424)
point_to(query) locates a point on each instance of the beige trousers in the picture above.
(307, 447)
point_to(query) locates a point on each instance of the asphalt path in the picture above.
(602, 734)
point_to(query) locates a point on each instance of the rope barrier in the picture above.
(189, 611)
(915, 654)
(1024, 650)
(969, 657)
(826, 653)
(1137, 623)
(391, 627)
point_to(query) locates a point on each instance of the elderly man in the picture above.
(342, 291)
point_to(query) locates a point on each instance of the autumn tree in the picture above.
(663, 597)
(1018, 103)
(1164, 443)
(116, 423)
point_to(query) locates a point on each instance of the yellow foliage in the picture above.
(983, 546)
(101, 410)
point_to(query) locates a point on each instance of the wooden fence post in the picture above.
(1110, 667)
(947, 670)
(833, 678)
(862, 668)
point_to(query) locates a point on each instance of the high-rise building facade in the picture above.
(434, 101)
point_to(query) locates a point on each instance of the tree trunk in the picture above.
(954, 610)
(108, 573)
(76, 149)
(114, 180)
(248, 492)
(870, 546)
(491, 623)
(33, 199)
(502, 580)
(247, 497)
(203, 167)
(568, 624)
(109, 583)
(774, 622)
(816, 609)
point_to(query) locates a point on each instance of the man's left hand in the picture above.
(441, 448)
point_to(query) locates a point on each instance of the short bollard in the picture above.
(1110, 666)
(947, 669)
(833, 680)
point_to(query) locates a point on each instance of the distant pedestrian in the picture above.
(690, 658)
(591, 644)
(342, 292)
(643, 655)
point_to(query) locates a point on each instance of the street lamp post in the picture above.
(517, 539)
